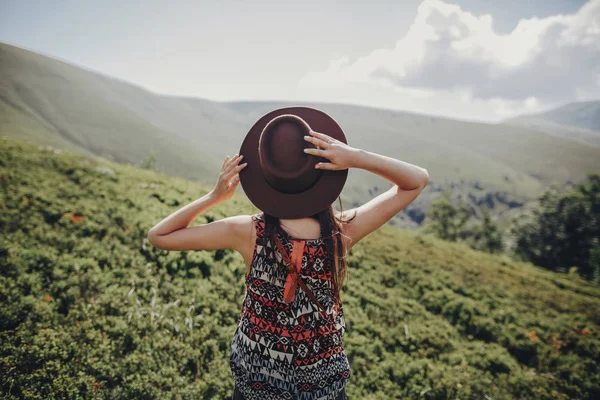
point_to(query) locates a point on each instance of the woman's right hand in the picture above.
(340, 155)
(228, 178)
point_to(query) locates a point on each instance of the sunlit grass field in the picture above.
(89, 309)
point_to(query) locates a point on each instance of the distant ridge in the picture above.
(579, 120)
(52, 102)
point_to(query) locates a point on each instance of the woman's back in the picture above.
(284, 347)
(295, 350)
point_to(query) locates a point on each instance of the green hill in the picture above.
(52, 102)
(584, 115)
(551, 128)
(579, 121)
(88, 309)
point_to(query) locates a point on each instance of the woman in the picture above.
(292, 165)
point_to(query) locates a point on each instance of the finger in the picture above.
(316, 141)
(232, 163)
(234, 159)
(315, 152)
(234, 171)
(229, 185)
(224, 163)
(329, 166)
(234, 182)
(322, 136)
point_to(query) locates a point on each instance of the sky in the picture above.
(483, 60)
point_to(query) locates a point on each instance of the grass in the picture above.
(88, 309)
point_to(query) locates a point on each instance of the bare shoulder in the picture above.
(227, 233)
(239, 223)
(244, 229)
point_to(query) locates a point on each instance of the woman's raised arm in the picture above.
(408, 180)
(173, 233)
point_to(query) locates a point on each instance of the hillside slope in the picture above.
(579, 121)
(51, 102)
(541, 125)
(89, 309)
(583, 115)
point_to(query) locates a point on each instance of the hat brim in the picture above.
(284, 205)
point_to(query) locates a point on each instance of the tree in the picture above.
(149, 162)
(448, 221)
(564, 231)
(486, 235)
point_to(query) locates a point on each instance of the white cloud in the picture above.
(452, 53)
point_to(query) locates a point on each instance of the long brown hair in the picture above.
(331, 233)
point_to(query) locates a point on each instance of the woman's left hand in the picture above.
(228, 178)
(340, 155)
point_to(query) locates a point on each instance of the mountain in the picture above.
(88, 308)
(580, 121)
(51, 102)
(584, 115)
(56, 103)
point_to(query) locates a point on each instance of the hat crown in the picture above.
(285, 165)
(285, 183)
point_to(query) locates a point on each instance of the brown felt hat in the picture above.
(280, 178)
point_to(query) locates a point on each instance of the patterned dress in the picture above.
(289, 351)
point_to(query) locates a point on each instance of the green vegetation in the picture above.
(88, 309)
(447, 220)
(564, 231)
(487, 236)
(561, 233)
(454, 223)
(149, 162)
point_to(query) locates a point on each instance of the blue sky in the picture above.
(444, 58)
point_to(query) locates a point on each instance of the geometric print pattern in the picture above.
(289, 350)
